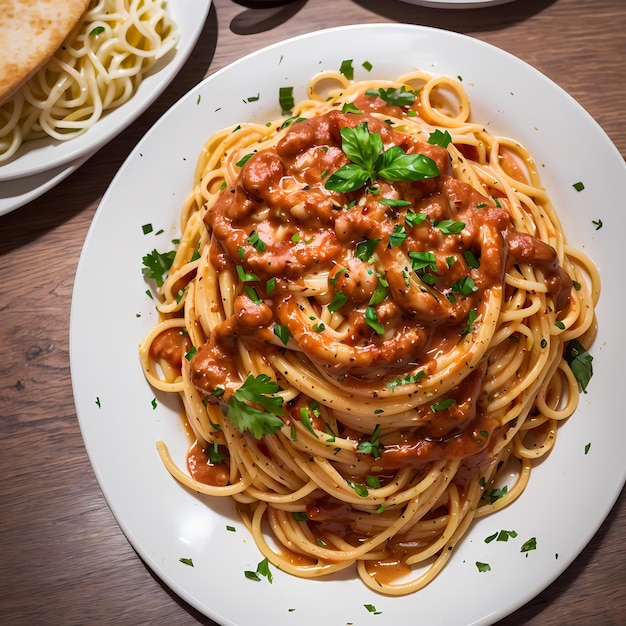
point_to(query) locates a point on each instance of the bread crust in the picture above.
(31, 31)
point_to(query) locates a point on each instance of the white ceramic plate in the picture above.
(456, 4)
(35, 157)
(17, 192)
(111, 313)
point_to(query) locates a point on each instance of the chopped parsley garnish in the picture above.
(439, 138)
(157, 264)
(186, 561)
(244, 416)
(443, 405)
(398, 236)
(529, 545)
(350, 107)
(372, 320)
(98, 30)
(495, 494)
(285, 99)
(579, 186)
(464, 286)
(339, 299)
(245, 277)
(483, 567)
(347, 69)
(580, 362)
(256, 242)
(372, 446)
(405, 380)
(401, 97)
(282, 332)
(450, 227)
(244, 159)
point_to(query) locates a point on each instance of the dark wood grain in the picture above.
(63, 558)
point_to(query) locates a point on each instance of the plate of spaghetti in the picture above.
(361, 356)
(116, 60)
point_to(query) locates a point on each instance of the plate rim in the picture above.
(620, 480)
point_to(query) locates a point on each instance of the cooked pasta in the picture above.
(98, 68)
(373, 320)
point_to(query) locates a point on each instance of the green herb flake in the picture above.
(282, 332)
(347, 69)
(401, 97)
(439, 138)
(246, 277)
(373, 446)
(579, 186)
(443, 405)
(372, 320)
(98, 30)
(580, 362)
(350, 107)
(156, 265)
(529, 545)
(286, 100)
(367, 65)
(186, 561)
(147, 228)
(256, 242)
(483, 567)
(495, 494)
(339, 299)
(244, 159)
(587, 448)
(372, 609)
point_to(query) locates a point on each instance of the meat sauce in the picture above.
(308, 229)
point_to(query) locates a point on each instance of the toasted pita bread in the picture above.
(30, 33)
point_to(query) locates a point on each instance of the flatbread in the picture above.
(31, 31)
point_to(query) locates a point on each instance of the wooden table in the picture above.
(63, 558)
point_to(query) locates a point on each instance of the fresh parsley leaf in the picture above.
(439, 138)
(157, 264)
(244, 416)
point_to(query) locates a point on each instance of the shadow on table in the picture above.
(460, 20)
(255, 18)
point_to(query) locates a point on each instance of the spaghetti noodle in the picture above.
(370, 319)
(98, 68)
